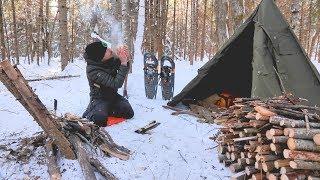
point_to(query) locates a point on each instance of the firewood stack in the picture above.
(270, 139)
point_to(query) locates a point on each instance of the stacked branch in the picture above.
(72, 136)
(270, 139)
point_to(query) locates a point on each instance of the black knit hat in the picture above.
(95, 51)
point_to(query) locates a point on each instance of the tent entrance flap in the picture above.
(232, 71)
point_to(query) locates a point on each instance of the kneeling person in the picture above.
(106, 72)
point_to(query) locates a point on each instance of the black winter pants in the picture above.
(98, 110)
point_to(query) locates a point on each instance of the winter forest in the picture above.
(160, 89)
(185, 30)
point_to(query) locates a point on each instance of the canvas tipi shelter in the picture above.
(263, 59)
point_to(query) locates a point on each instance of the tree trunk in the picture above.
(186, 36)
(2, 45)
(220, 14)
(203, 34)
(16, 46)
(47, 30)
(295, 16)
(192, 48)
(174, 30)
(237, 9)
(63, 33)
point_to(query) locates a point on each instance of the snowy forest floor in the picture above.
(178, 148)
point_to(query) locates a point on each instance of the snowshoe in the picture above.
(167, 77)
(150, 75)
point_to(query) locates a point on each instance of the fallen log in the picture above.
(52, 78)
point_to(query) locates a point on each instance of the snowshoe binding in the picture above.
(150, 75)
(167, 77)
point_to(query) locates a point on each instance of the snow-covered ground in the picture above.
(155, 156)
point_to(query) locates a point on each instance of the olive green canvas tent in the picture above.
(263, 58)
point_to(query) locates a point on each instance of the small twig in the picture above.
(212, 147)
(6, 110)
(182, 157)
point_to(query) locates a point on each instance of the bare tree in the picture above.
(295, 16)
(63, 33)
(16, 46)
(220, 14)
(186, 37)
(237, 9)
(174, 30)
(2, 45)
(203, 33)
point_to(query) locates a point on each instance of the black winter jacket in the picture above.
(105, 78)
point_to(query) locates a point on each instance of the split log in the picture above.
(303, 145)
(302, 133)
(235, 155)
(83, 159)
(301, 155)
(260, 117)
(301, 164)
(107, 149)
(148, 127)
(53, 169)
(293, 175)
(101, 169)
(264, 111)
(281, 163)
(316, 139)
